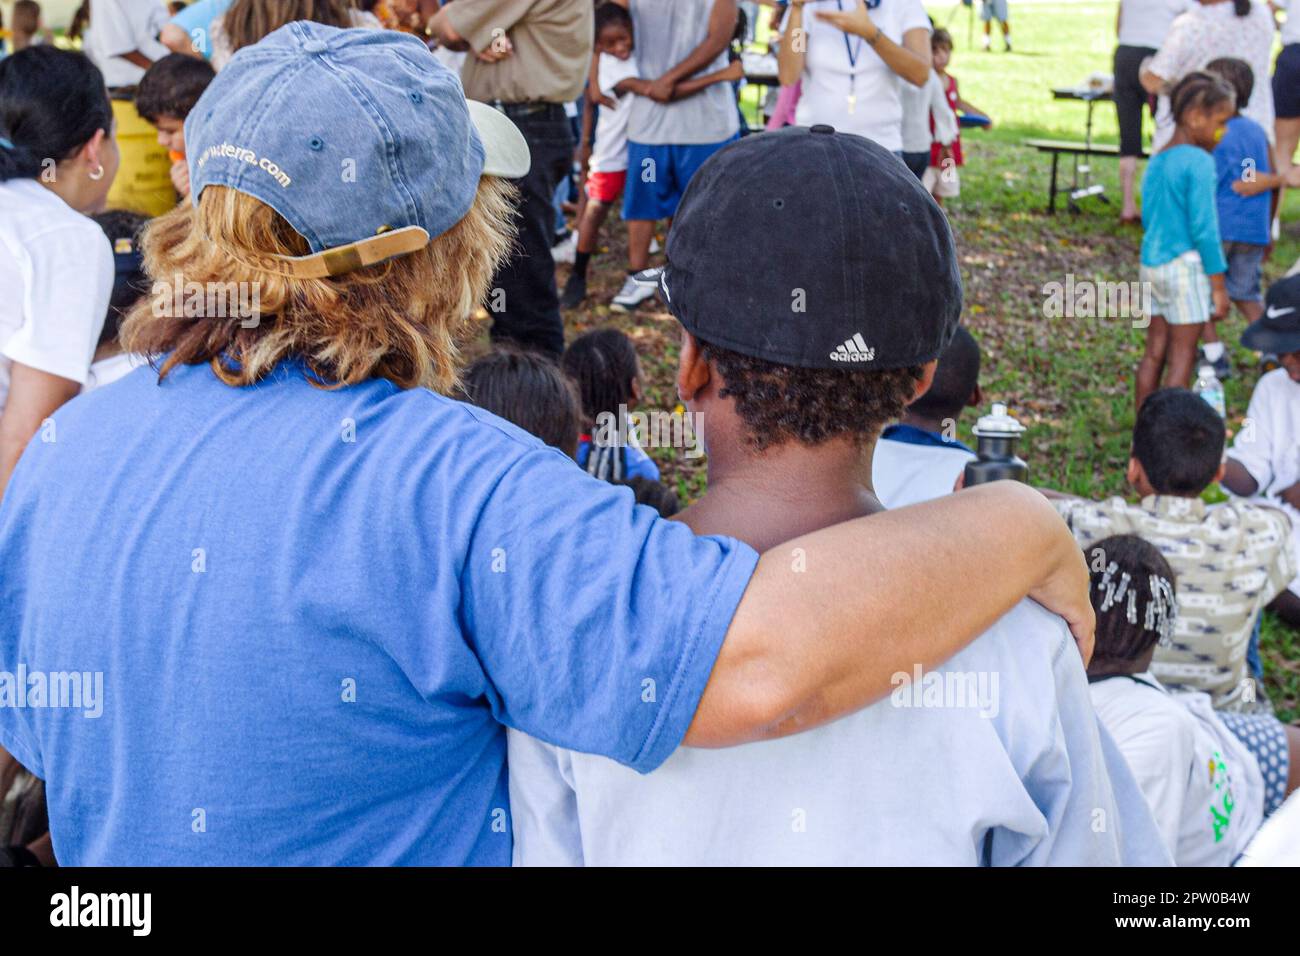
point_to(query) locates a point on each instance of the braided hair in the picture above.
(1199, 90)
(1132, 592)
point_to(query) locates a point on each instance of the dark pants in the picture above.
(1130, 97)
(523, 300)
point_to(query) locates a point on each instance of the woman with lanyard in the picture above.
(58, 158)
(850, 57)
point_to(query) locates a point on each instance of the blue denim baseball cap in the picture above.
(359, 138)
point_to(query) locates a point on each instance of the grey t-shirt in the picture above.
(666, 31)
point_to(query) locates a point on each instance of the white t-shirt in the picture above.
(919, 104)
(995, 758)
(120, 26)
(1277, 842)
(56, 276)
(911, 465)
(1206, 33)
(109, 370)
(1146, 22)
(1204, 787)
(1268, 446)
(1291, 23)
(609, 152)
(838, 64)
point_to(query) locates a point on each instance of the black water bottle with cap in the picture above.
(996, 434)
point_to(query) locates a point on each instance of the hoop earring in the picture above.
(98, 175)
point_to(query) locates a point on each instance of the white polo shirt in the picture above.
(838, 65)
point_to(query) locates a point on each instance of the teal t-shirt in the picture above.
(1178, 208)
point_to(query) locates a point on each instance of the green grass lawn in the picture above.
(1070, 381)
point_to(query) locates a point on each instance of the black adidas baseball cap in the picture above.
(1278, 329)
(813, 248)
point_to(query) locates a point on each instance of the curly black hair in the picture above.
(810, 405)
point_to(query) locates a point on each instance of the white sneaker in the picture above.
(566, 250)
(655, 248)
(632, 295)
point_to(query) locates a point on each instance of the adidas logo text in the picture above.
(853, 350)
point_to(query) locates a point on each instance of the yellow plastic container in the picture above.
(144, 181)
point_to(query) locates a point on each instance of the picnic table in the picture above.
(1081, 184)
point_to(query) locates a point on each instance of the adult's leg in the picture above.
(1152, 363)
(639, 234)
(1129, 100)
(524, 300)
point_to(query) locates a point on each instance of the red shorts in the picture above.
(605, 187)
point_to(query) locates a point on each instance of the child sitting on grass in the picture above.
(604, 366)
(1243, 158)
(1264, 462)
(529, 390)
(1017, 774)
(921, 458)
(167, 92)
(1231, 559)
(615, 79)
(1171, 739)
(1182, 259)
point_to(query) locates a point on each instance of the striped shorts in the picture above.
(1180, 290)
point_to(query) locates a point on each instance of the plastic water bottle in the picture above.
(996, 436)
(1210, 388)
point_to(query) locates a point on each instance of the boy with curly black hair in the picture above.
(997, 758)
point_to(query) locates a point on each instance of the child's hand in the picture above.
(1221, 305)
(660, 90)
(180, 173)
(1252, 187)
(733, 71)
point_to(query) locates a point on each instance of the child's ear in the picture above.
(693, 372)
(925, 381)
(976, 399)
(1134, 473)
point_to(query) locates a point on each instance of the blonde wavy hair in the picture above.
(403, 319)
(247, 21)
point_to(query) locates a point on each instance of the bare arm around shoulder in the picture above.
(878, 596)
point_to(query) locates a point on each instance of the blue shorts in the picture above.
(657, 176)
(1286, 82)
(1245, 262)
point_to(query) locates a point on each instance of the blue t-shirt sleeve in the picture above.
(1200, 186)
(596, 621)
(196, 20)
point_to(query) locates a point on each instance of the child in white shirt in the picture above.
(1201, 779)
